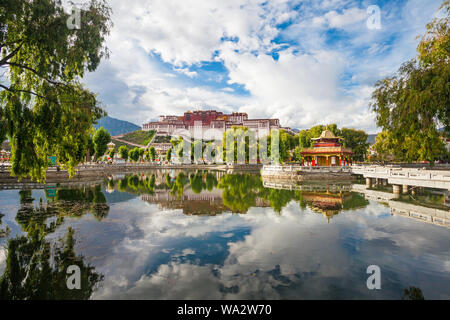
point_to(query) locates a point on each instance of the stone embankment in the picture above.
(89, 172)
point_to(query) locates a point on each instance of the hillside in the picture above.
(134, 139)
(139, 137)
(116, 126)
(121, 143)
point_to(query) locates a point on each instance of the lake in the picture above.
(210, 235)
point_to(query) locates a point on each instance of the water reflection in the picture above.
(209, 235)
(35, 268)
(211, 194)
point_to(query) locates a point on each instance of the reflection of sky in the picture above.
(148, 253)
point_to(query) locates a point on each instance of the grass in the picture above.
(162, 139)
(120, 143)
(139, 137)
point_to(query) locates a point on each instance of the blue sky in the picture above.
(304, 62)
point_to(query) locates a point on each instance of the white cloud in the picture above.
(347, 17)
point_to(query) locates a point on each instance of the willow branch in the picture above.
(12, 54)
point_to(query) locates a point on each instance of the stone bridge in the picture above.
(438, 179)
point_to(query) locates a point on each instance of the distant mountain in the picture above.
(116, 126)
(371, 138)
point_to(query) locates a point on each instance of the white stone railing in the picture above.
(297, 168)
(401, 173)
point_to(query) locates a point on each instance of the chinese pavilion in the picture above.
(327, 151)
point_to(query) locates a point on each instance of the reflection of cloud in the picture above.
(2, 259)
(173, 281)
(295, 255)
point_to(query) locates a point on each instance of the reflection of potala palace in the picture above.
(211, 119)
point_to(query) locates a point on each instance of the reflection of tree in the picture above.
(211, 181)
(77, 202)
(4, 232)
(178, 186)
(278, 198)
(239, 191)
(355, 201)
(64, 203)
(136, 185)
(413, 293)
(25, 196)
(37, 270)
(197, 183)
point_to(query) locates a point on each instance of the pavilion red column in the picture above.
(340, 161)
(303, 162)
(327, 161)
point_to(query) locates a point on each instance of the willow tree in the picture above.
(44, 109)
(415, 102)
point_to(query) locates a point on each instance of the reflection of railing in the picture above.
(429, 215)
(307, 187)
(296, 168)
(4, 167)
(375, 195)
(421, 213)
(35, 185)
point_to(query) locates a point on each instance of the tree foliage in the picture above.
(101, 140)
(414, 103)
(152, 153)
(44, 110)
(123, 152)
(356, 140)
(134, 154)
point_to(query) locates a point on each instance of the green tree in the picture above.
(386, 146)
(357, 141)
(414, 103)
(123, 152)
(197, 144)
(244, 140)
(141, 153)
(43, 106)
(134, 154)
(101, 140)
(152, 153)
(90, 150)
(112, 153)
(169, 154)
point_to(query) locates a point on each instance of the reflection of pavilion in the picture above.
(328, 204)
(327, 199)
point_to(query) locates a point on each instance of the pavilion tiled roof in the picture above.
(327, 134)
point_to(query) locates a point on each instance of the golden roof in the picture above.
(327, 134)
